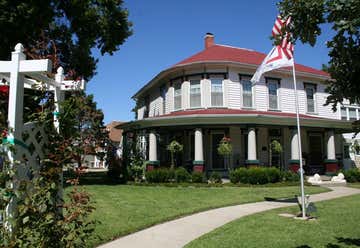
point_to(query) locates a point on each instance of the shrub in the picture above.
(273, 174)
(181, 175)
(289, 176)
(239, 175)
(257, 176)
(215, 177)
(352, 175)
(161, 175)
(198, 177)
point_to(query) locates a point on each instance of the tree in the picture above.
(64, 31)
(344, 47)
(82, 125)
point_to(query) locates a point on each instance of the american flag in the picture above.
(278, 31)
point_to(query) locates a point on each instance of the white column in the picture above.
(294, 145)
(199, 153)
(331, 145)
(252, 144)
(58, 97)
(16, 94)
(152, 146)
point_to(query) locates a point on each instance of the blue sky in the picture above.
(168, 31)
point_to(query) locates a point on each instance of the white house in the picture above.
(209, 95)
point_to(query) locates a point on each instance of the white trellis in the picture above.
(30, 138)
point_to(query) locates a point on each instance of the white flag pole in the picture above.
(299, 144)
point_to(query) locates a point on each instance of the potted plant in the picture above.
(275, 148)
(174, 147)
(225, 149)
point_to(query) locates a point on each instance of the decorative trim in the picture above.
(294, 161)
(330, 161)
(252, 162)
(198, 162)
(156, 162)
(14, 141)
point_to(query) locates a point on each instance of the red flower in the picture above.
(4, 89)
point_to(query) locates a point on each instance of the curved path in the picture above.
(179, 232)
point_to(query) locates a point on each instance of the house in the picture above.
(209, 95)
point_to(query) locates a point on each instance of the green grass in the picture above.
(123, 209)
(337, 226)
(354, 185)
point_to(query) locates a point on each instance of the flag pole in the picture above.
(303, 210)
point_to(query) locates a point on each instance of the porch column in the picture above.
(331, 164)
(294, 162)
(152, 151)
(199, 152)
(252, 160)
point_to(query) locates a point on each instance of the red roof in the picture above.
(240, 55)
(225, 111)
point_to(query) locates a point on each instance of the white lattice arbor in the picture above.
(30, 139)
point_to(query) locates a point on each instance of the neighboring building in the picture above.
(115, 135)
(209, 95)
(91, 160)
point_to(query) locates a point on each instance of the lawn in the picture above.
(337, 226)
(123, 209)
(354, 185)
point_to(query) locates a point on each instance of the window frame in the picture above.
(268, 81)
(314, 87)
(222, 78)
(200, 93)
(241, 76)
(175, 83)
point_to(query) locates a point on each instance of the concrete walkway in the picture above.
(179, 232)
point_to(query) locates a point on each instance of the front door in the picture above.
(217, 160)
(315, 159)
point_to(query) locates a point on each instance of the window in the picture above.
(310, 90)
(273, 85)
(147, 106)
(216, 92)
(163, 97)
(177, 96)
(195, 94)
(343, 113)
(352, 114)
(247, 91)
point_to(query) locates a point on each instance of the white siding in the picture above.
(185, 100)
(324, 111)
(206, 93)
(234, 91)
(170, 99)
(140, 113)
(261, 96)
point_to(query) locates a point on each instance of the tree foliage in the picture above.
(344, 48)
(64, 31)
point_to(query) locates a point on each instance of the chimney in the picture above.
(209, 40)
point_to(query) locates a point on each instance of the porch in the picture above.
(251, 133)
(322, 148)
